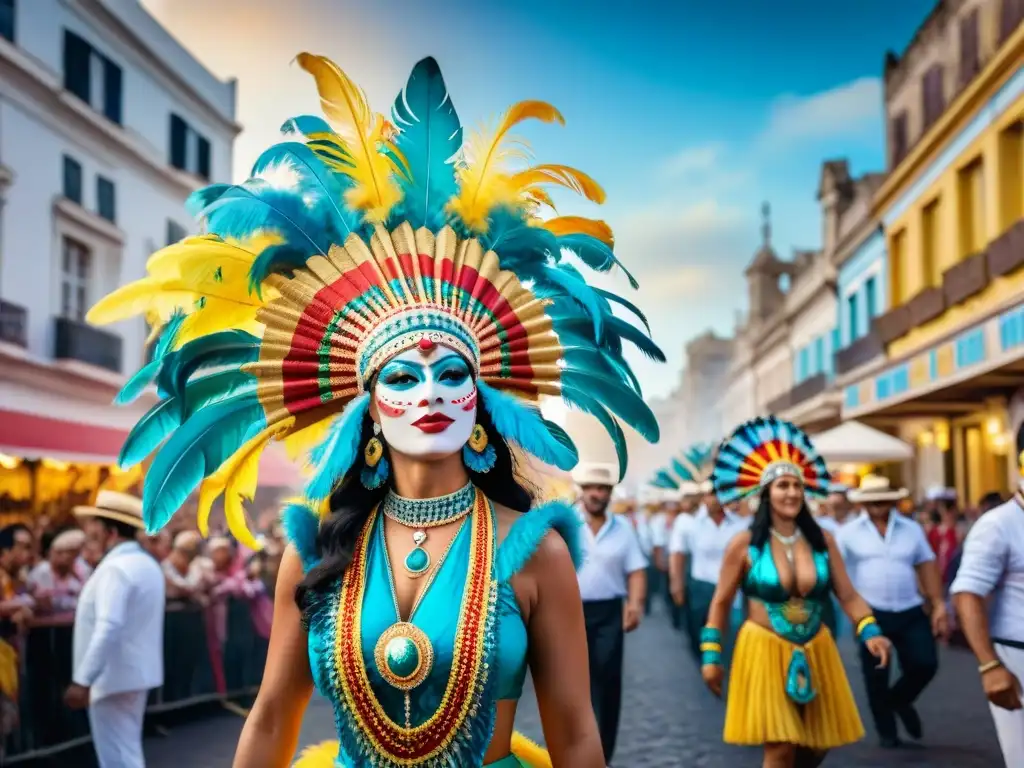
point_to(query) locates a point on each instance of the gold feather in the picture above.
(484, 179)
(578, 225)
(561, 176)
(344, 103)
(140, 297)
(529, 752)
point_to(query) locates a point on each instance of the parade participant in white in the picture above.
(118, 633)
(887, 554)
(993, 564)
(613, 570)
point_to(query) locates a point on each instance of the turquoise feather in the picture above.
(430, 138)
(137, 384)
(193, 452)
(529, 530)
(621, 401)
(301, 527)
(307, 125)
(584, 402)
(334, 457)
(233, 347)
(595, 254)
(521, 423)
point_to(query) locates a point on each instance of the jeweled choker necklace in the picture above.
(420, 514)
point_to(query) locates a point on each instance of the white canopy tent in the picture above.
(855, 443)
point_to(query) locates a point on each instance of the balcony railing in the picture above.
(13, 324)
(74, 340)
(808, 388)
(1006, 252)
(966, 279)
(926, 305)
(894, 324)
(862, 351)
(780, 403)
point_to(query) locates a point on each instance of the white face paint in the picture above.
(426, 402)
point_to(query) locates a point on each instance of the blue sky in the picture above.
(689, 113)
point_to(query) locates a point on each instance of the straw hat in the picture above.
(68, 541)
(876, 488)
(592, 473)
(112, 505)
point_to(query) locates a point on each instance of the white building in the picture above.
(106, 125)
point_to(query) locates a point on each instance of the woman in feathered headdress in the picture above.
(383, 295)
(788, 690)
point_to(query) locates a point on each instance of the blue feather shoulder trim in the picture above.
(529, 530)
(301, 526)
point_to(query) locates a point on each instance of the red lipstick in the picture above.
(433, 423)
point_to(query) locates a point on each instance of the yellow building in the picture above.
(952, 287)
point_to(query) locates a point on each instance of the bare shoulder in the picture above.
(830, 540)
(738, 543)
(289, 574)
(505, 519)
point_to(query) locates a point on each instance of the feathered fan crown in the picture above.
(346, 246)
(691, 466)
(762, 450)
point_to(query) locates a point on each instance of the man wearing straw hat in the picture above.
(118, 634)
(887, 555)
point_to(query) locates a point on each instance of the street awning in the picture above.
(855, 443)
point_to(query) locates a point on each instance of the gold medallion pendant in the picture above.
(404, 656)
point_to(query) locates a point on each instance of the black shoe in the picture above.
(911, 721)
(889, 742)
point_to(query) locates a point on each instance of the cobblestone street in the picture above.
(669, 720)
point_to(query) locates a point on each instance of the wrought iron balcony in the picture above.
(862, 351)
(13, 324)
(74, 340)
(808, 388)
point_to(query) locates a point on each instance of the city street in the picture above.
(669, 720)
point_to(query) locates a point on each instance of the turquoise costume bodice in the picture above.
(437, 615)
(762, 580)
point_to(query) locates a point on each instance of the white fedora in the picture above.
(112, 505)
(593, 473)
(876, 488)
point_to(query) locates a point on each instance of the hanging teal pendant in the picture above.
(799, 687)
(417, 562)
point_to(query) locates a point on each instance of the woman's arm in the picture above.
(734, 566)
(271, 732)
(558, 659)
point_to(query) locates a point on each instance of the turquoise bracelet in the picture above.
(711, 647)
(867, 629)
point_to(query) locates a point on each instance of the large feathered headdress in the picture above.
(689, 469)
(762, 450)
(347, 246)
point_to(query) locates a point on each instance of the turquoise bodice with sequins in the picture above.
(796, 618)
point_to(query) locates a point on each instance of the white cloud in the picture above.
(697, 160)
(842, 111)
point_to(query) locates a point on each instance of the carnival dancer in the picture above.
(888, 556)
(993, 565)
(788, 690)
(612, 585)
(383, 296)
(118, 633)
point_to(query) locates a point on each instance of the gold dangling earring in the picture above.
(377, 468)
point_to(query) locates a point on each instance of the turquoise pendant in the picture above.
(417, 562)
(798, 679)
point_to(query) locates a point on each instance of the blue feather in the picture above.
(663, 480)
(521, 423)
(276, 258)
(221, 348)
(137, 384)
(307, 125)
(595, 254)
(584, 402)
(195, 451)
(430, 137)
(578, 290)
(166, 416)
(301, 528)
(201, 198)
(334, 457)
(626, 304)
(621, 401)
(529, 530)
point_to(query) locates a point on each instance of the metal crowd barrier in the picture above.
(191, 674)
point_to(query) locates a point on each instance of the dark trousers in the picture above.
(911, 635)
(654, 586)
(605, 641)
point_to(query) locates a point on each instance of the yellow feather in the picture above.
(218, 315)
(561, 176)
(298, 444)
(322, 755)
(140, 297)
(578, 225)
(530, 752)
(344, 103)
(483, 173)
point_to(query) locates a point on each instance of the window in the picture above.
(190, 151)
(819, 355)
(72, 180)
(930, 273)
(933, 99)
(836, 342)
(76, 269)
(1011, 171)
(852, 318)
(1012, 14)
(898, 140)
(105, 199)
(92, 77)
(897, 263)
(970, 61)
(7, 19)
(871, 297)
(971, 185)
(175, 232)
(805, 363)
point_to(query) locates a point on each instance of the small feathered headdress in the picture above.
(690, 468)
(762, 450)
(346, 246)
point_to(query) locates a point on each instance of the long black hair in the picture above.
(761, 527)
(352, 502)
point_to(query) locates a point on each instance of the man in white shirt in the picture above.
(887, 555)
(612, 585)
(697, 554)
(993, 565)
(118, 633)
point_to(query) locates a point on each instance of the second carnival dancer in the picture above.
(697, 547)
(383, 297)
(788, 690)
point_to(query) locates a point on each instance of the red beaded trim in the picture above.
(411, 746)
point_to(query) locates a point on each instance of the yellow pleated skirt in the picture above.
(758, 711)
(525, 753)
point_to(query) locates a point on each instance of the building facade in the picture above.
(106, 125)
(944, 357)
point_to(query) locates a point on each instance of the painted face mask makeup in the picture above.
(426, 401)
